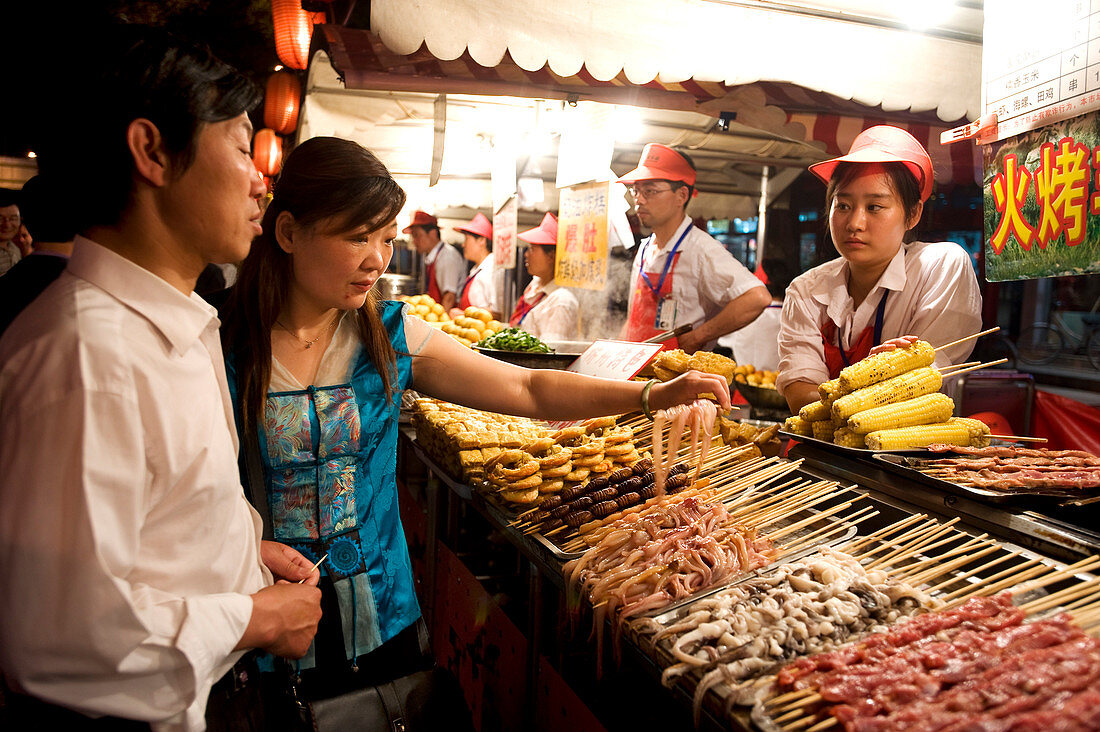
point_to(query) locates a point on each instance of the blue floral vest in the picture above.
(330, 460)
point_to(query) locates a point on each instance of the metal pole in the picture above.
(761, 224)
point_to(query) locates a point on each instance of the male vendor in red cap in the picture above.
(444, 270)
(681, 275)
(482, 286)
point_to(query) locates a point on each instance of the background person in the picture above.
(681, 274)
(318, 365)
(482, 287)
(545, 310)
(132, 573)
(444, 271)
(885, 289)
(10, 221)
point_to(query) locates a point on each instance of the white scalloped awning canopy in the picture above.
(836, 48)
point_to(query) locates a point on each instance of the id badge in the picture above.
(666, 314)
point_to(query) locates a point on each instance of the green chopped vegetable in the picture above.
(514, 339)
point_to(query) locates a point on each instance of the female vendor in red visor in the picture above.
(886, 288)
(546, 310)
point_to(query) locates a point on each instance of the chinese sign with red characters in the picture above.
(504, 235)
(1040, 62)
(582, 236)
(1042, 197)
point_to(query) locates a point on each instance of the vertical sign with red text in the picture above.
(582, 236)
(504, 235)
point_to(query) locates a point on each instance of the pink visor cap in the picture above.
(478, 226)
(546, 233)
(884, 144)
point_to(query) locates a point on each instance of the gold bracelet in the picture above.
(645, 398)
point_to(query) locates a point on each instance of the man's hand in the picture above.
(287, 563)
(284, 619)
(687, 387)
(689, 342)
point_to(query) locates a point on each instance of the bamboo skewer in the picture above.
(943, 371)
(1019, 438)
(852, 546)
(968, 338)
(979, 570)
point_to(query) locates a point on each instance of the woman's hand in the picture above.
(287, 563)
(687, 387)
(890, 345)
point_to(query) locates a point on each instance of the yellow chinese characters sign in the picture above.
(582, 236)
(1042, 195)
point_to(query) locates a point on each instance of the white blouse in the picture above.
(555, 316)
(933, 294)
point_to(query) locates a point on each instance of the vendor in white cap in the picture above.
(882, 292)
(681, 275)
(481, 288)
(444, 270)
(546, 310)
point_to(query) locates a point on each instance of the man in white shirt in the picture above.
(682, 275)
(444, 270)
(132, 573)
(10, 221)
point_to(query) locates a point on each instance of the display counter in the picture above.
(560, 686)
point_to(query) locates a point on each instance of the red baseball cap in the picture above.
(478, 226)
(661, 162)
(546, 233)
(884, 144)
(420, 218)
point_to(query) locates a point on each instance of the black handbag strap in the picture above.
(394, 710)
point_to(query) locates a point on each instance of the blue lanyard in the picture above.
(668, 262)
(879, 314)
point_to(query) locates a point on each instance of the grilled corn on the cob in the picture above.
(925, 409)
(886, 365)
(798, 426)
(824, 430)
(830, 390)
(954, 432)
(815, 412)
(896, 389)
(847, 438)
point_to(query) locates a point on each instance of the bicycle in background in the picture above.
(1043, 343)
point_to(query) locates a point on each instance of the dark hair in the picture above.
(46, 210)
(8, 197)
(325, 182)
(902, 180)
(678, 184)
(428, 228)
(139, 72)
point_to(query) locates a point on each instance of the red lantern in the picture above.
(267, 152)
(281, 102)
(293, 30)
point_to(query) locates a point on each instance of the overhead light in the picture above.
(627, 124)
(926, 14)
(278, 67)
(32, 154)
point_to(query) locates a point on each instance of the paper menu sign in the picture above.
(611, 360)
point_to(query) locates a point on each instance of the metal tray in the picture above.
(556, 360)
(841, 449)
(910, 467)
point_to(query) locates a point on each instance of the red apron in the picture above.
(644, 301)
(433, 288)
(522, 308)
(464, 300)
(836, 358)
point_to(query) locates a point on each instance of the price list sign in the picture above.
(581, 259)
(504, 235)
(1040, 62)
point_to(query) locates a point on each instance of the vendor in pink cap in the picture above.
(682, 275)
(444, 270)
(546, 310)
(885, 289)
(481, 288)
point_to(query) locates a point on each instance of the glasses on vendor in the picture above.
(649, 190)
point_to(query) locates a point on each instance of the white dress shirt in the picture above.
(450, 268)
(705, 279)
(757, 343)
(127, 549)
(486, 282)
(554, 318)
(934, 294)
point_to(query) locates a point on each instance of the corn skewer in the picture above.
(886, 365)
(968, 338)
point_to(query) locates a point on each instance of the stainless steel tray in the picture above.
(910, 468)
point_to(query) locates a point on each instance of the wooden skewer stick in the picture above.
(823, 725)
(972, 368)
(791, 695)
(968, 338)
(1019, 438)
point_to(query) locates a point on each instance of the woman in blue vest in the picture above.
(317, 364)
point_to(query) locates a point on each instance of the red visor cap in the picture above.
(546, 233)
(421, 218)
(884, 144)
(478, 226)
(661, 162)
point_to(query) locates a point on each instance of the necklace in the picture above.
(309, 344)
